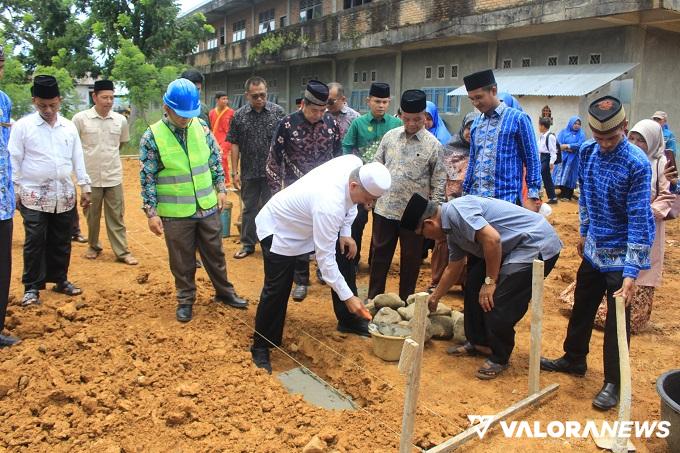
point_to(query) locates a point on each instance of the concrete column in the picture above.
(350, 76)
(492, 54)
(290, 19)
(398, 74)
(636, 38)
(334, 6)
(254, 24)
(291, 102)
(334, 70)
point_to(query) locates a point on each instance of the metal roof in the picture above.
(571, 80)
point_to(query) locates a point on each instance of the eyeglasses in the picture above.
(331, 101)
(258, 95)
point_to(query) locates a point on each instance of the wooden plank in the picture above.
(621, 443)
(536, 326)
(408, 352)
(413, 377)
(472, 432)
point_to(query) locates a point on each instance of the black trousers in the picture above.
(386, 232)
(255, 193)
(358, 226)
(591, 285)
(496, 328)
(5, 266)
(278, 282)
(301, 274)
(547, 177)
(47, 247)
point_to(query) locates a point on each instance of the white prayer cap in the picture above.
(375, 178)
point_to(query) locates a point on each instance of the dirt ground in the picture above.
(113, 371)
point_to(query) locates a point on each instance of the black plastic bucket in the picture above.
(668, 388)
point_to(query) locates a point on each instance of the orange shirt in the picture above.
(220, 128)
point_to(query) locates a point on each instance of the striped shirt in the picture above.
(614, 209)
(501, 145)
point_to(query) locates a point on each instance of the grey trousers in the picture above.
(254, 193)
(183, 237)
(114, 209)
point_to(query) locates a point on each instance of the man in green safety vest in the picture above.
(180, 172)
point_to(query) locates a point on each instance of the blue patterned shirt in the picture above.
(614, 208)
(501, 145)
(6, 186)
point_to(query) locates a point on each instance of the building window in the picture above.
(283, 21)
(356, 77)
(358, 100)
(347, 4)
(595, 58)
(212, 43)
(310, 9)
(239, 31)
(374, 76)
(552, 61)
(454, 71)
(573, 59)
(507, 63)
(364, 76)
(441, 72)
(236, 101)
(428, 72)
(223, 36)
(306, 79)
(272, 83)
(526, 62)
(444, 103)
(266, 21)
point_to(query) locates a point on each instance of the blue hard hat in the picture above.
(182, 97)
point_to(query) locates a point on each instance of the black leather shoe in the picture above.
(607, 398)
(261, 358)
(562, 365)
(358, 327)
(184, 312)
(299, 293)
(6, 341)
(232, 300)
(319, 276)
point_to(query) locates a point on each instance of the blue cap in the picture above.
(182, 97)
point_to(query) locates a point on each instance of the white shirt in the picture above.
(43, 158)
(308, 215)
(552, 143)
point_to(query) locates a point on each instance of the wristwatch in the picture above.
(489, 281)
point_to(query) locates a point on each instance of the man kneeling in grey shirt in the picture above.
(500, 241)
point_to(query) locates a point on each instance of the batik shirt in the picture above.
(150, 165)
(364, 135)
(253, 132)
(344, 118)
(415, 164)
(299, 146)
(502, 144)
(614, 210)
(6, 186)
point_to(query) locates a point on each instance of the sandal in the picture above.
(465, 349)
(490, 370)
(68, 288)
(92, 254)
(243, 253)
(127, 259)
(31, 297)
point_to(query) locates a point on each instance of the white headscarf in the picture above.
(653, 134)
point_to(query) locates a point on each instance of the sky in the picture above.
(186, 5)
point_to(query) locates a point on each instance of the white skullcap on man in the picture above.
(375, 178)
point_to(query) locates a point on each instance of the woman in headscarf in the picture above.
(648, 136)
(455, 159)
(565, 174)
(510, 101)
(435, 124)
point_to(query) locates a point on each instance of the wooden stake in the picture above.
(621, 443)
(408, 352)
(473, 431)
(536, 326)
(413, 377)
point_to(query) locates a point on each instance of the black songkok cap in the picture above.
(45, 87)
(413, 101)
(101, 85)
(379, 90)
(479, 79)
(418, 209)
(316, 92)
(605, 113)
(298, 101)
